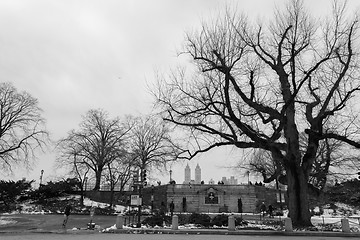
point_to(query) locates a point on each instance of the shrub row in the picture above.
(199, 219)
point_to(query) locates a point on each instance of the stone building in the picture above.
(204, 198)
(195, 196)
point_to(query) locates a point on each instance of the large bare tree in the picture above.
(99, 141)
(22, 128)
(260, 86)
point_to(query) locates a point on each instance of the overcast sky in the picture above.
(76, 55)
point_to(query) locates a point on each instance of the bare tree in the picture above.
(99, 142)
(260, 86)
(151, 144)
(74, 164)
(118, 173)
(22, 128)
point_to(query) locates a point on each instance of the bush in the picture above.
(12, 192)
(220, 220)
(223, 220)
(183, 218)
(156, 220)
(54, 190)
(239, 221)
(200, 219)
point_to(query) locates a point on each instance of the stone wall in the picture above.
(212, 198)
(201, 198)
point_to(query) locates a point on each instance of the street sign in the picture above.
(137, 183)
(135, 200)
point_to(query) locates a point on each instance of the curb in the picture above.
(191, 232)
(59, 231)
(238, 232)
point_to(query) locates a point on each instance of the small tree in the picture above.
(118, 173)
(22, 128)
(74, 164)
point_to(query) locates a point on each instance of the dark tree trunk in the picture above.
(82, 196)
(298, 201)
(97, 179)
(111, 197)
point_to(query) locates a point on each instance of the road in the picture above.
(107, 236)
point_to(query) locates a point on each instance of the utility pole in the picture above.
(41, 177)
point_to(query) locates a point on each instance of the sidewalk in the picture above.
(191, 232)
(236, 232)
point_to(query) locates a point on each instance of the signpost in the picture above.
(139, 181)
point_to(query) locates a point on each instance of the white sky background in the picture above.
(77, 55)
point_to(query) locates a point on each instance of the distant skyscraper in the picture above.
(197, 174)
(187, 174)
(233, 181)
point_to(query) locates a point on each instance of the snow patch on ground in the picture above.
(6, 220)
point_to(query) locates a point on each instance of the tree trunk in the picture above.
(97, 179)
(82, 196)
(111, 197)
(298, 201)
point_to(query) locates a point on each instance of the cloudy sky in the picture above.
(76, 55)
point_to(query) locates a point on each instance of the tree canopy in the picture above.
(22, 128)
(99, 141)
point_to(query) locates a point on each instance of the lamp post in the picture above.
(152, 199)
(170, 175)
(41, 176)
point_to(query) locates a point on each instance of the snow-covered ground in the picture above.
(6, 220)
(90, 203)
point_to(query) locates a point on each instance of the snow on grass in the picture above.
(90, 203)
(6, 220)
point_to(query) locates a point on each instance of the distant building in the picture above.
(229, 181)
(233, 181)
(188, 179)
(197, 174)
(224, 180)
(187, 174)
